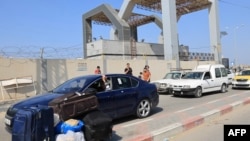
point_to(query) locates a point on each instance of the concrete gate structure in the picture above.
(124, 23)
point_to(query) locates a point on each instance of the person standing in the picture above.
(146, 75)
(128, 70)
(140, 75)
(98, 70)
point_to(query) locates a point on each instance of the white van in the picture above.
(163, 84)
(202, 79)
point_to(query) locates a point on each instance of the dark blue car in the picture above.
(126, 95)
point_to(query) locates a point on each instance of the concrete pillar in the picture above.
(124, 14)
(87, 35)
(133, 32)
(124, 33)
(169, 20)
(122, 27)
(113, 35)
(44, 76)
(215, 43)
(126, 9)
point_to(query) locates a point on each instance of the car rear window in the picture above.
(134, 82)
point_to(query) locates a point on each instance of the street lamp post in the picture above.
(235, 45)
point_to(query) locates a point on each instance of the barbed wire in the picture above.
(73, 52)
(36, 52)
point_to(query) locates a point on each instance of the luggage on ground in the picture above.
(71, 124)
(70, 136)
(97, 126)
(33, 124)
(74, 104)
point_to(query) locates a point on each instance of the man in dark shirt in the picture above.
(128, 70)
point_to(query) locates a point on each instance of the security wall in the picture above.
(49, 73)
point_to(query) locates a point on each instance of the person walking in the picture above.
(128, 70)
(146, 75)
(97, 70)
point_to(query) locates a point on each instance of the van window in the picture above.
(224, 72)
(217, 73)
(207, 76)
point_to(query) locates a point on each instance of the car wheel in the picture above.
(223, 88)
(143, 108)
(198, 92)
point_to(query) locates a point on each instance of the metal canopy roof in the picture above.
(134, 20)
(182, 7)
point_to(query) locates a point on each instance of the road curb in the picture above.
(167, 132)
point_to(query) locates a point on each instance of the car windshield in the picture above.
(71, 85)
(193, 75)
(247, 72)
(175, 75)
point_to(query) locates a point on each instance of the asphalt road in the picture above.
(214, 130)
(3, 134)
(170, 109)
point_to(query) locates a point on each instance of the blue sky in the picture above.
(26, 26)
